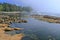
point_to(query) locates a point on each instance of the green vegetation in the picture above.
(1, 7)
(10, 7)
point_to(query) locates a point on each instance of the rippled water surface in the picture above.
(38, 30)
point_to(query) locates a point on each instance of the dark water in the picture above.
(39, 30)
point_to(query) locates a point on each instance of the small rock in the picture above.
(18, 28)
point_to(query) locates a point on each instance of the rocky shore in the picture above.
(4, 36)
(5, 22)
(47, 18)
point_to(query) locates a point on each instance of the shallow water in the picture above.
(38, 30)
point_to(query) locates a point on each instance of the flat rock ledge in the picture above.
(4, 36)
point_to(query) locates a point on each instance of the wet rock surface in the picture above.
(5, 22)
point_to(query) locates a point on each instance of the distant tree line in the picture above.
(10, 7)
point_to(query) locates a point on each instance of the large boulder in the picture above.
(4, 25)
(9, 29)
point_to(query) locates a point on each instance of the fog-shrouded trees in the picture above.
(1, 7)
(12, 7)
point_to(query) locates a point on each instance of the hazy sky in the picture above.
(39, 5)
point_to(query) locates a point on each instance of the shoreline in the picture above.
(5, 22)
(47, 18)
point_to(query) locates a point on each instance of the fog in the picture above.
(50, 6)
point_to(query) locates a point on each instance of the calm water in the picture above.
(39, 30)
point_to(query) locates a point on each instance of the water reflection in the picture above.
(39, 30)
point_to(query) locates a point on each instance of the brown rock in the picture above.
(4, 25)
(22, 21)
(9, 29)
(18, 28)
